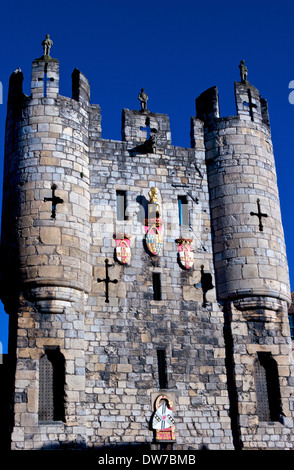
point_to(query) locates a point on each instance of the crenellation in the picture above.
(228, 305)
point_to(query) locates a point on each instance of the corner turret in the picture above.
(46, 163)
(250, 262)
(252, 279)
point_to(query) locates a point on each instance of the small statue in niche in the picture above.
(243, 71)
(47, 44)
(142, 97)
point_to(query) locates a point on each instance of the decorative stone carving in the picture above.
(153, 195)
(142, 97)
(47, 44)
(243, 71)
(154, 225)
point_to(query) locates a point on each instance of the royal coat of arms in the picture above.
(163, 419)
(123, 248)
(154, 225)
(154, 236)
(185, 252)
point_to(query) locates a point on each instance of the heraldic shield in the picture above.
(185, 252)
(154, 236)
(163, 419)
(123, 248)
(154, 224)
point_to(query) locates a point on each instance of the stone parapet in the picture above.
(138, 274)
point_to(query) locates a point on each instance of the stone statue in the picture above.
(47, 44)
(153, 207)
(243, 71)
(143, 99)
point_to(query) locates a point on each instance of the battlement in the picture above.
(45, 83)
(145, 130)
(142, 275)
(139, 126)
(249, 103)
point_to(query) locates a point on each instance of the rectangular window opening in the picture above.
(162, 375)
(121, 199)
(291, 321)
(183, 210)
(51, 385)
(269, 405)
(156, 286)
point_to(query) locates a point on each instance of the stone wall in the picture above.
(207, 327)
(125, 334)
(249, 254)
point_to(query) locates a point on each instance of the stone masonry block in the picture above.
(50, 235)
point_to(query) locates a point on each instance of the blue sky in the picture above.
(175, 50)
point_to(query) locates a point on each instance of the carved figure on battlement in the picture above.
(243, 71)
(47, 44)
(142, 97)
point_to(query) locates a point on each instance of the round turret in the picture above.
(46, 206)
(249, 248)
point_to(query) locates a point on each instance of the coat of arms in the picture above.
(163, 419)
(123, 248)
(154, 236)
(154, 225)
(185, 252)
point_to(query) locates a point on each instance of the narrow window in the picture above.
(156, 286)
(162, 375)
(51, 386)
(183, 210)
(121, 205)
(291, 321)
(291, 316)
(267, 388)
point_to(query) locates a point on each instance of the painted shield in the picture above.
(154, 236)
(123, 248)
(185, 252)
(163, 420)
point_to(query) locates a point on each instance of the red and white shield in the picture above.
(163, 419)
(123, 248)
(185, 252)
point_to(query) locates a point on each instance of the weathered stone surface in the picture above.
(111, 349)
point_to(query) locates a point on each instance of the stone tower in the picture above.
(129, 322)
(249, 258)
